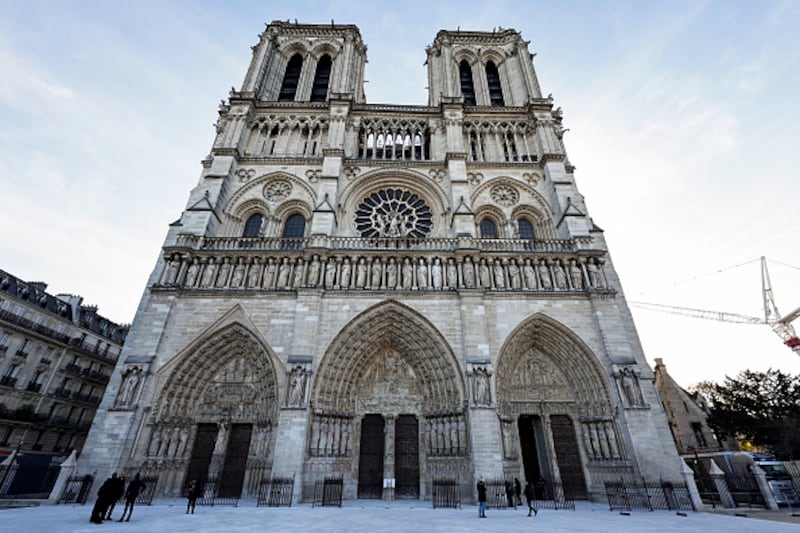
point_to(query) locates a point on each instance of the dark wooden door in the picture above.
(201, 453)
(568, 456)
(527, 443)
(406, 466)
(233, 469)
(370, 461)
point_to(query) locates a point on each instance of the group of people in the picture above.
(112, 491)
(513, 493)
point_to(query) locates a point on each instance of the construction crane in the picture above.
(772, 317)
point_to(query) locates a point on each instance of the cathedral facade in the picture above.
(388, 294)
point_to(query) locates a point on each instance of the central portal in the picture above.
(370, 462)
(406, 467)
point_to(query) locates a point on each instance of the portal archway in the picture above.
(388, 403)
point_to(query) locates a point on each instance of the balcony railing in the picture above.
(32, 326)
(34, 387)
(21, 353)
(8, 381)
(88, 398)
(72, 368)
(63, 392)
(96, 375)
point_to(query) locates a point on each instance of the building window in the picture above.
(393, 213)
(697, 429)
(253, 225)
(488, 229)
(467, 85)
(291, 79)
(525, 229)
(295, 227)
(493, 80)
(319, 91)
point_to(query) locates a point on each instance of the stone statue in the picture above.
(595, 277)
(344, 273)
(191, 273)
(391, 274)
(208, 273)
(330, 273)
(130, 385)
(436, 274)
(297, 387)
(299, 270)
(269, 277)
(422, 274)
(452, 274)
(499, 275)
(238, 274)
(224, 270)
(361, 273)
(283, 274)
(630, 387)
(483, 274)
(313, 272)
(408, 274)
(481, 383)
(377, 270)
(575, 275)
(559, 275)
(544, 276)
(171, 272)
(513, 274)
(468, 271)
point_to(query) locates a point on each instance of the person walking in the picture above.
(509, 493)
(481, 498)
(134, 488)
(517, 490)
(192, 495)
(116, 494)
(529, 493)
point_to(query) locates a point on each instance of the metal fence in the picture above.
(208, 495)
(500, 494)
(28, 478)
(446, 493)
(744, 490)
(552, 496)
(276, 492)
(328, 492)
(77, 489)
(648, 495)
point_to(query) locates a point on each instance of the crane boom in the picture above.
(700, 313)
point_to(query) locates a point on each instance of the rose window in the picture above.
(393, 213)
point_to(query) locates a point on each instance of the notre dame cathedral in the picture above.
(385, 293)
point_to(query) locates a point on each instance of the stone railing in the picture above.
(384, 264)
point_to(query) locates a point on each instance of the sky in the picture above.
(683, 118)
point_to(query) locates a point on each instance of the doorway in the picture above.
(530, 450)
(370, 461)
(568, 457)
(233, 469)
(201, 453)
(406, 467)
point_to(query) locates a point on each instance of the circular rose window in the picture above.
(393, 213)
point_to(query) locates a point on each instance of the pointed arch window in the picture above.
(467, 85)
(253, 225)
(291, 79)
(493, 81)
(322, 77)
(488, 229)
(295, 227)
(525, 229)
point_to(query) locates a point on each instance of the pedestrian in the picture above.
(509, 493)
(103, 499)
(116, 494)
(481, 498)
(134, 488)
(517, 490)
(529, 497)
(192, 495)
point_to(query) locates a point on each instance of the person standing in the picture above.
(116, 494)
(103, 499)
(134, 488)
(517, 490)
(481, 498)
(529, 498)
(192, 495)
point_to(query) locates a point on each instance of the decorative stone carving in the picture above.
(245, 174)
(533, 178)
(351, 172)
(510, 450)
(393, 213)
(131, 380)
(277, 191)
(480, 384)
(313, 175)
(504, 195)
(628, 381)
(438, 174)
(296, 384)
(474, 178)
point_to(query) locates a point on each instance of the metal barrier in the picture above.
(77, 489)
(446, 493)
(29, 477)
(500, 494)
(328, 492)
(208, 495)
(552, 496)
(649, 495)
(744, 490)
(276, 492)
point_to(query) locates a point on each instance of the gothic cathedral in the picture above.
(385, 294)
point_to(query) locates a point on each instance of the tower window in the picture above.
(488, 229)
(253, 225)
(319, 91)
(295, 227)
(525, 229)
(493, 80)
(291, 79)
(467, 86)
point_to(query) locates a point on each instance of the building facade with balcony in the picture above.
(389, 294)
(56, 357)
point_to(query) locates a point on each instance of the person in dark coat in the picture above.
(116, 494)
(481, 499)
(529, 493)
(509, 493)
(134, 488)
(194, 492)
(103, 499)
(517, 490)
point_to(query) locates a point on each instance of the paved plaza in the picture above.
(377, 517)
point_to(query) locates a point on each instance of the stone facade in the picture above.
(56, 357)
(385, 293)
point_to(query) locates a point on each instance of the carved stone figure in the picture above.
(513, 274)
(481, 395)
(330, 273)
(238, 274)
(129, 387)
(595, 277)
(468, 271)
(391, 274)
(313, 272)
(299, 270)
(191, 273)
(630, 387)
(408, 274)
(499, 275)
(171, 271)
(575, 275)
(452, 274)
(344, 273)
(283, 274)
(224, 270)
(269, 277)
(544, 276)
(208, 273)
(422, 274)
(361, 274)
(559, 276)
(436, 274)
(377, 270)
(483, 274)
(297, 387)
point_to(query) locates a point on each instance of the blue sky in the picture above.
(683, 121)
